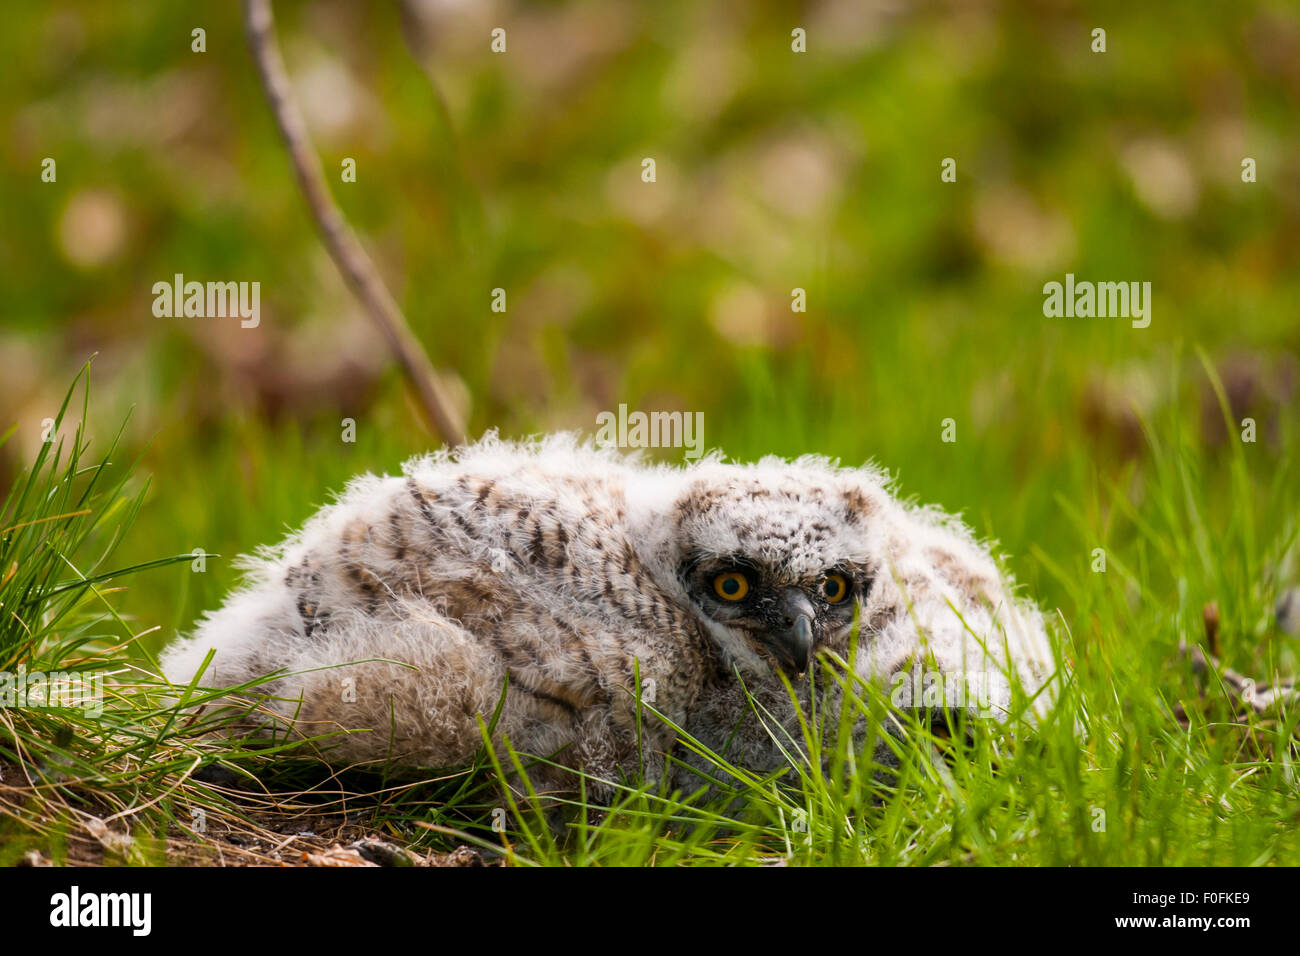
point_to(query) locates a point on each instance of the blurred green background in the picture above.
(775, 170)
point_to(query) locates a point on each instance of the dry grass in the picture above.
(317, 827)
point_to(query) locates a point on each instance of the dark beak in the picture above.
(792, 639)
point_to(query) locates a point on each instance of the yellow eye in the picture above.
(731, 586)
(834, 588)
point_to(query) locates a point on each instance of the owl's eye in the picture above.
(731, 585)
(834, 588)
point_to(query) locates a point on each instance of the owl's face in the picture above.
(774, 563)
(781, 616)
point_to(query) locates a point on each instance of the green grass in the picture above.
(1111, 777)
(924, 303)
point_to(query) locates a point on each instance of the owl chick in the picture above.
(939, 630)
(574, 595)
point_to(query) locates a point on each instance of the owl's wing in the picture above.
(948, 631)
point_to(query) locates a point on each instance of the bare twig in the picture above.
(342, 243)
(1244, 691)
(1259, 697)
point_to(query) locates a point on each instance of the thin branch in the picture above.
(343, 245)
(1261, 697)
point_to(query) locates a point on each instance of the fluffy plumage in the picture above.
(562, 574)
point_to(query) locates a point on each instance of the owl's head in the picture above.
(773, 557)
